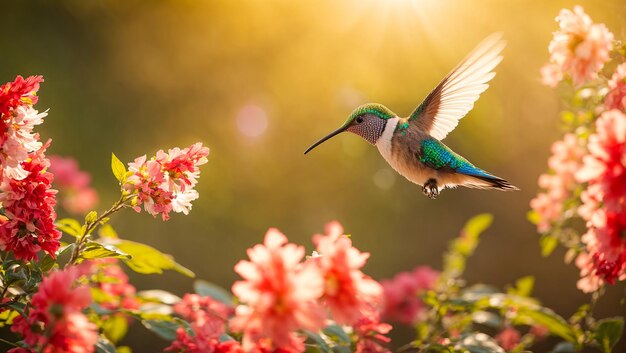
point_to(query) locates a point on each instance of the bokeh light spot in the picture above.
(252, 120)
(385, 178)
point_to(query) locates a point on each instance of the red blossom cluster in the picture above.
(114, 290)
(208, 319)
(76, 196)
(604, 203)
(281, 295)
(55, 322)
(402, 294)
(165, 183)
(25, 186)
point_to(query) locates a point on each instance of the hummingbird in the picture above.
(412, 145)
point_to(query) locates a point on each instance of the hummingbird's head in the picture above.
(367, 121)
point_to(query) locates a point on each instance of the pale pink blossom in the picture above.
(551, 75)
(279, 295)
(616, 98)
(348, 292)
(564, 163)
(580, 48)
(76, 194)
(19, 140)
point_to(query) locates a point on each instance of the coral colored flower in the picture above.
(579, 48)
(165, 183)
(348, 292)
(19, 92)
(604, 201)
(111, 281)
(402, 294)
(279, 295)
(616, 98)
(370, 334)
(29, 207)
(76, 194)
(207, 318)
(565, 161)
(55, 323)
(508, 338)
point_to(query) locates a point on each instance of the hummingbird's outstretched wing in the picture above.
(455, 95)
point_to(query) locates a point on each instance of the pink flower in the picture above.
(76, 194)
(579, 48)
(370, 334)
(165, 183)
(402, 294)
(604, 201)
(17, 120)
(348, 292)
(565, 161)
(207, 318)
(551, 75)
(55, 323)
(279, 295)
(616, 98)
(29, 207)
(115, 292)
(508, 338)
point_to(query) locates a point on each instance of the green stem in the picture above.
(90, 226)
(9, 342)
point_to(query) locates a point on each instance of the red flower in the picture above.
(371, 333)
(29, 208)
(604, 201)
(348, 292)
(402, 294)
(19, 92)
(279, 295)
(77, 195)
(55, 323)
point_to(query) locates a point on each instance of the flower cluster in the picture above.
(207, 319)
(165, 182)
(604, 202)
(282, 295)
(580, 48)
(25, 186)
(402, 294)
(55, 322)
(76, 196)
(588, 168)
(110, 283)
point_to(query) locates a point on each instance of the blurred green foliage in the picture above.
(131, 77)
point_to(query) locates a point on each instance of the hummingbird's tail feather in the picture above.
(488, 182)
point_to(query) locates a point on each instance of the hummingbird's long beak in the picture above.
(336, 132)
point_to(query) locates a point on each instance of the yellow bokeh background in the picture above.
(259, 80)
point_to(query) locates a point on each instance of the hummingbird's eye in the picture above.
(359, 119)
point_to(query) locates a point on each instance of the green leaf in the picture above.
(533, 217)
(160, 296)
(480, 343)
(523, 286)
(216, 292)
(95, 250)
(47, 263)
(166, 329)
(107, 231)
(550, 320)
(104, 346)
(564, 347)
(608, 333)
(91, 217)
(118, 168)
(319, 341)
(463, 247)
(148, 260)
(548, 243)
(70, 226)
(115, 327)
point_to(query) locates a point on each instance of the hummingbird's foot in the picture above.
(430, 189)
